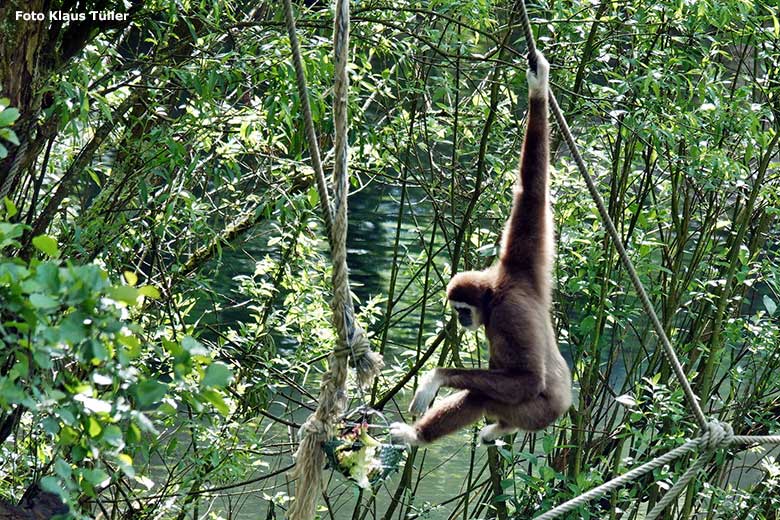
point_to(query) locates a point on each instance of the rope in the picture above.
(690, 397)
(718, 435)
(10, 177)
(353, 341)
(619, 481)
(714, 435)
(311, 136)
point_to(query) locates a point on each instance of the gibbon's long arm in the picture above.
(526, 230)
(503, 385)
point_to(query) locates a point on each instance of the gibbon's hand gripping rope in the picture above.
(714, 434)
(352, 340)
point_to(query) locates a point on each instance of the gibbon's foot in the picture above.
(491, 432)
(537, 82)
(429, 385)
(405, 433)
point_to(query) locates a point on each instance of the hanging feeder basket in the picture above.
(362, 458)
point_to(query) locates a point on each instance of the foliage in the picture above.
(170, 152)
(7, 117)
(72, 369)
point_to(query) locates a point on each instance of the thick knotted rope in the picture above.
(717, 435)
(352, 340)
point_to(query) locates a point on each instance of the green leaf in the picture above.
(133, 434)
(149, 393)
(93, 427)
(21, 368)
(313, 197)
(150, 291)
(41, 301)
(131, 278)
(124, 293)
(62, 468)
(50, 425)
(100, 352)
(96, 477)
(51, 485)
(47, 244)
(10, 207)
(113, 436)
(9, 135)
(769, 305)
(215, 398)
(8, 116)
(133, 349)
(217, 374)
(125, 463)
(548, 443)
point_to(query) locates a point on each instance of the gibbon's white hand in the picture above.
(537, 81)
(405, 434)
(429, 385)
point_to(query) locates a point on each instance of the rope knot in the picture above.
(367, 363)
(717, 435)
(313, 426)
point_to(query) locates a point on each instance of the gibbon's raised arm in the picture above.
(526, 233)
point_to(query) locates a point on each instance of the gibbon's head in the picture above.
(469, 295)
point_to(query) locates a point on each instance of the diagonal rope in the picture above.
(311, 135)
(671, 355)
(352, 340)
(620, 481)
(714, 435)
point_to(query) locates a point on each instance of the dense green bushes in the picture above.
(169, 152)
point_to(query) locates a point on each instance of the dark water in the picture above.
(373, 215)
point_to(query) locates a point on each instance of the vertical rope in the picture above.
(351, 338)
(342, 303)
(10, 177)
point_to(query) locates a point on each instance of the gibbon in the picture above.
(528, 383)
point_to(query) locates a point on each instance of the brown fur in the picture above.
(528, 384)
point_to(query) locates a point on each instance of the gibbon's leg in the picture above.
(529, 230)
(533, 415)
(503, 386)
(491, 432)
(448, 415)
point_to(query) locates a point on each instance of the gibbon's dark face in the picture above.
(468, 315)
(469, 293)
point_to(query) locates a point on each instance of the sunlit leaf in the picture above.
(217, 374)
(47, 244)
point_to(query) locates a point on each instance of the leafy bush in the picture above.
(70, 375)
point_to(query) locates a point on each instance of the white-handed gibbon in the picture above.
(528, 384)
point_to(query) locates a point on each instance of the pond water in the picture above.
(373, 215)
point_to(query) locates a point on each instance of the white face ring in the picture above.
(473, 314)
